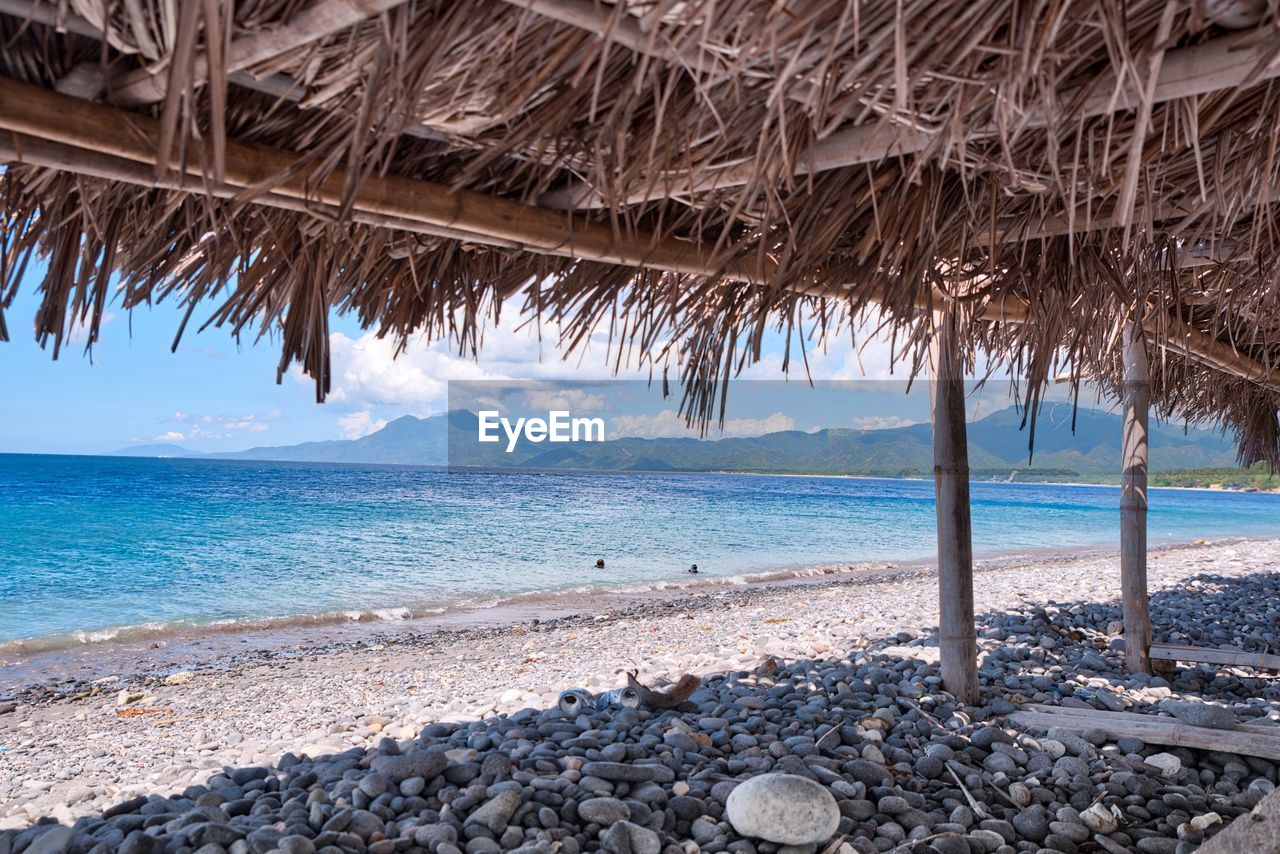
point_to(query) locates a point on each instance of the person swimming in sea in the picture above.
(600, 563)
(693, 569)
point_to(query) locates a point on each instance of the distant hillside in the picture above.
(997, 449)
(405, 441)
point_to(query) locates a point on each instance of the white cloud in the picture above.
(195, 427)
(881, 422)
(248, 423)
(864, 355)
(668, 424)
(367, 372)
(664, 425)
(356, 425)
(574, 400)
(758, 426)
(78, 333)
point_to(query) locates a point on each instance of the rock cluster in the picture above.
(867, 748)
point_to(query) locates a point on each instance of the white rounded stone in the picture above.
(783, 808)
(1168, 764)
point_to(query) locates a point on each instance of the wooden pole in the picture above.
(1133, 502)
(957, 638)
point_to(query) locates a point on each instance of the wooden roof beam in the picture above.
(50, 15)
(104, 141)
(21, 148)
(319, 21)
(1223, 63)
(107, 130)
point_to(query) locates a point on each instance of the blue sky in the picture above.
(213, 394)
(132, 387)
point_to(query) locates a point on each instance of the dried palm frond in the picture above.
(1013, 180)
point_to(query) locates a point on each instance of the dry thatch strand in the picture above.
(1045, 171)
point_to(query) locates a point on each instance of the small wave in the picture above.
(388, 614)
(161, 631)
(83, 637)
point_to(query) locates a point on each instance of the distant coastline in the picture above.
(1087, 450)
(1255, 480)
(1275, 488)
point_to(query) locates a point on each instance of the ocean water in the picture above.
(97, 547)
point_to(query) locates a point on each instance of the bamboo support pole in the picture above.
(19, 148)
(1133, 502)
(957, 636)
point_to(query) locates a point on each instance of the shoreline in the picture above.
(132, 653)
(73, 748)
(973, 480)
(76, 659)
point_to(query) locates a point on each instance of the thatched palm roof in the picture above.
(690, 172)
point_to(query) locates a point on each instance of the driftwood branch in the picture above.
(669, 699)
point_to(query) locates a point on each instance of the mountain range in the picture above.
(997, 446)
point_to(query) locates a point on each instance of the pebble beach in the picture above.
(451, 741)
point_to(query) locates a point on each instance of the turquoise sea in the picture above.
(91, 546)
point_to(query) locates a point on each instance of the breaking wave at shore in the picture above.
(577, 597)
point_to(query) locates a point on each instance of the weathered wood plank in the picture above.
(1255, 832)
(1206, 655)
(1261, 729)
(1153, 730)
